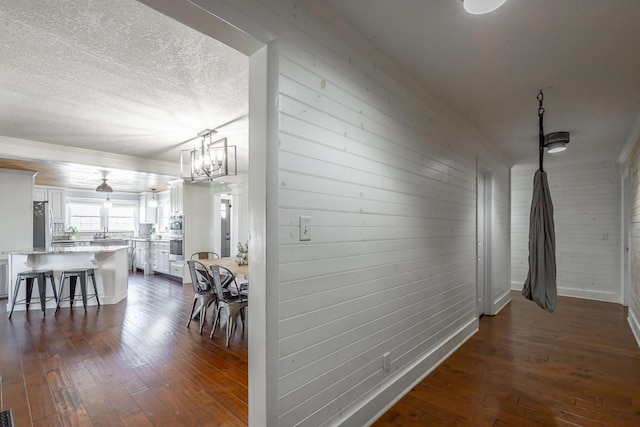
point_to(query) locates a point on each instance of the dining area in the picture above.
(220, 284)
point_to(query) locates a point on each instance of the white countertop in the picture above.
(92, 240)
(68, 250)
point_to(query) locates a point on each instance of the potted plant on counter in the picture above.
(73, 232)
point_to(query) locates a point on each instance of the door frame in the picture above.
(625, 255)
(484, 222)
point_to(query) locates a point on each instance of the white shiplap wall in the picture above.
(389, 181)
(391, 192)
(391, 264)
(587, 217)
(633, 166)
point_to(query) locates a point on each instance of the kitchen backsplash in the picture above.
(145, 230)
(58, 230)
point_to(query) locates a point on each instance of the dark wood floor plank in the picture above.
(136, 363)
(70, 407)
(577, 367)
(132, 363)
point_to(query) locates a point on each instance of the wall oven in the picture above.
(175, 224)
(176, 247)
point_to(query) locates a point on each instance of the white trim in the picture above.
(501, 302)
(263, 245)
(635, 326)
(634, 136)
(615, 297)
(625, 241)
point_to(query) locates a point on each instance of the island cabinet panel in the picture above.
(110, 264)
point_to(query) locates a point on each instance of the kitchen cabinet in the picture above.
(160, 257)
(153, 257)
(141, 259)
(56, 198)
(175, 197)
(177, 268)
(164, 264)
(147, 215)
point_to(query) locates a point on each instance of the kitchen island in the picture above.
(110, 264)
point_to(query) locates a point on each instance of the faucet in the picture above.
(104, 233)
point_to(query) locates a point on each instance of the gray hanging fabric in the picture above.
(540, 285)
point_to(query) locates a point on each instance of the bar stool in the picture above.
(41, 277)
(73, 276)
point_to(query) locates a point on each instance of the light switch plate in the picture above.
(305, 228)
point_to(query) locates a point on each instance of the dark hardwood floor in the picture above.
(579, 366)
(136, 363)
(133, 363)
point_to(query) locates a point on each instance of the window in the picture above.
(85, 216)
(121, 218)
(91, 216)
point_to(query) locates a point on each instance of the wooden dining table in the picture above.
(228, 263)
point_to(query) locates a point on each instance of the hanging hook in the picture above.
(540, 98)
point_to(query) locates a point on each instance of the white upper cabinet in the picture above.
(147, 215)
(176, 198)
(56, 198)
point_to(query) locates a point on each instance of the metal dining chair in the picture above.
(203, 291)
(204, 255)
(231, 304)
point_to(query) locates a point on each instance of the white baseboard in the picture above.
(501, 303)
(581, 293)
(592, 295)
(383, 398)
(635, 326)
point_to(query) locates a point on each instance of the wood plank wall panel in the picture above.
(389, 181)
(391, 265)
(633, 164)
(586, 201)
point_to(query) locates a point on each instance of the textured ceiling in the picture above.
(584, 55)
(116, 76)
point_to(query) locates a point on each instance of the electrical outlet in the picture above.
(386, 363)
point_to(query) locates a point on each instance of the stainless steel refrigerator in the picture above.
(42, 225)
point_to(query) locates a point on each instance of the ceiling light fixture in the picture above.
(104, 187)
(556, 142)
(480, 7)
(211, 160)
(153, 203)
(107, 203)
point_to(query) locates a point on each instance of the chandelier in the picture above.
(212, 159)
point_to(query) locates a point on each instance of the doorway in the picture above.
(483, 266)
(626, 227)
(225, 227)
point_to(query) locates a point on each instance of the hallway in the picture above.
(579, 366)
